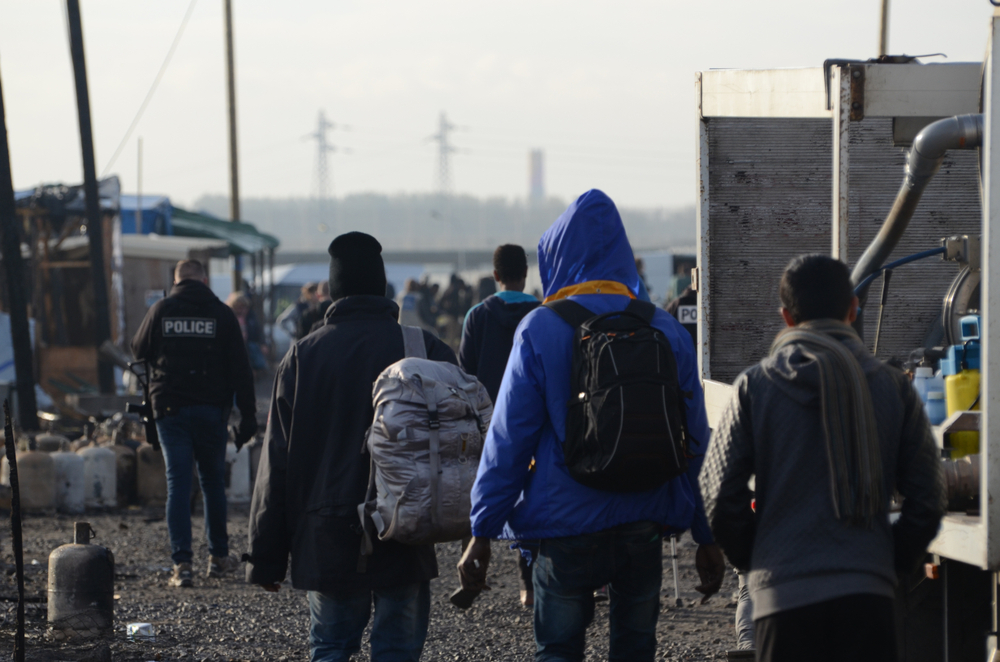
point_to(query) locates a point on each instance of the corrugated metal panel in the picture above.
(770, 192)
(950, 205)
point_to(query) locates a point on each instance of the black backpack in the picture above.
(625, 423)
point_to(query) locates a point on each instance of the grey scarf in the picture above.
(848, 418)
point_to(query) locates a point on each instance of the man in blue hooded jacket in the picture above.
(524, 491)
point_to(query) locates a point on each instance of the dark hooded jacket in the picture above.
(796, 550)
(488, 337)
(196, 351)
(313, 471)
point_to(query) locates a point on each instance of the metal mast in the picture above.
(323, 147)
(445, 149)
(234, 175)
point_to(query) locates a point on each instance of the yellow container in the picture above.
(961, 391)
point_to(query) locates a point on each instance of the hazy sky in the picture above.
(605, 88)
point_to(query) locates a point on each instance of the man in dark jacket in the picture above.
(489, 328)
(313, 472)
(197, 362)
(488, 336)
(829, 432)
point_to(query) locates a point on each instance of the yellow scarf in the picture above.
(591, 287)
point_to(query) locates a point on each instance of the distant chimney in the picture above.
(536, 178)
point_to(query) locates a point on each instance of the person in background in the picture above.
(523, 489)
(289, 318)
(829, 432)
(198, 362)
(314, 316)
(685, 309)
(410, 302)
(644, 291)
(312, 476)
(487, 338)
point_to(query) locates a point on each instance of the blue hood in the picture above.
(587, 243)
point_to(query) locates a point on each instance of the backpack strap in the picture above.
(572, 313)
(413, 342)
(643, 309)
(576, 315)
(430, 392)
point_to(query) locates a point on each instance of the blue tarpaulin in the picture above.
(155, 218)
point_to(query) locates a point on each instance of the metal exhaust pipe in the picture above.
(922, 163)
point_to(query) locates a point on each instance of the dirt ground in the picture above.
(226, 619)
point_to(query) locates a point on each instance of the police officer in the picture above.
(197, 359)
(685, 309)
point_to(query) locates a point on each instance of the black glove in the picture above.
(245, 432)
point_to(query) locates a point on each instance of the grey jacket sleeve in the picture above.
(270, 534)
(920, 479)
(724, 479)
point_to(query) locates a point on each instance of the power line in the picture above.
(152, 89)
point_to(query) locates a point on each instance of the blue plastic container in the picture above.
(937, 412)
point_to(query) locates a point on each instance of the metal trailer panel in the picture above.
(764, 93)
(950, 205)
(770, 199)
(922, 90)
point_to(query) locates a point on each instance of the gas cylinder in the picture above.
(125, 474)
(237, 474)
(50, 443)
(81, 588)
(36, 477)
(99, 477)
(69, 482)
(150, 476)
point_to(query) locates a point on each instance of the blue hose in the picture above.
(863, 285)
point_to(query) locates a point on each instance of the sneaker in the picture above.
(182, 577)
(217, 567)
(601, 594)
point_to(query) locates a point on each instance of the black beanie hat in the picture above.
(356, 266)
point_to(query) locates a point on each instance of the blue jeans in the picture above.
(629, 559)
(196, 433)
(339, 619)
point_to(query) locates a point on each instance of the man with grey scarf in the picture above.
(830, 433)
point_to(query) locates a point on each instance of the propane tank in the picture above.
(150, 476)
(36, 476)
(81, 588)
(125, 474)
(99, 477)
(69, 482)
(50, 443)
(237, 474)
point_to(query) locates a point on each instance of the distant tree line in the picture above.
(430, 221)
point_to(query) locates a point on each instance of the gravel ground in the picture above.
(225, 619)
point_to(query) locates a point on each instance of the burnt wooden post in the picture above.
(17, 288)
(95, 231)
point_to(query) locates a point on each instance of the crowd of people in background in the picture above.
(827, 431)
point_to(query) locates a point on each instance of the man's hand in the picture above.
(474, 564)
(711, 570)
(245, 432)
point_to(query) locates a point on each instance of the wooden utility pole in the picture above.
(883, 34)
(95, 230)
(17, 288)
(234, 174)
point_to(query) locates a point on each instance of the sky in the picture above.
(606, 89)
